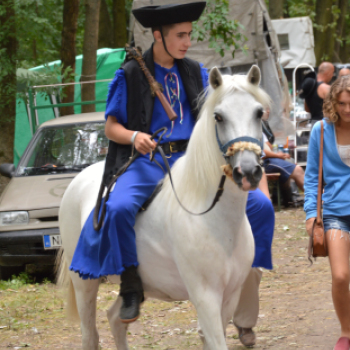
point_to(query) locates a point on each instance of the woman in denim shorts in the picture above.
(336, 196)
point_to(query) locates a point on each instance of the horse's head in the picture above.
(237, 112)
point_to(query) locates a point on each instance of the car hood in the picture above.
(34, 192)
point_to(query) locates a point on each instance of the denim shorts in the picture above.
(336, 223)
(277, 165)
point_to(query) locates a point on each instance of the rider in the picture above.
(132, 114)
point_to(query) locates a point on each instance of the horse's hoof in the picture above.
(130, 309)
(246, 336)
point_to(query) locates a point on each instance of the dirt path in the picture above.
(296, 308)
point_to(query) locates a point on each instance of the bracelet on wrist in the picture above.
(133, 137)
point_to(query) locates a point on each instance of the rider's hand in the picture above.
(309, 224)
(143, 143)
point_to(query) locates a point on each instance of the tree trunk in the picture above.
(276, 9)
(105, 31)
(92, 13)
(68, 52)
(340, 30)
(323, 35)
(119, 20)
(8, 44)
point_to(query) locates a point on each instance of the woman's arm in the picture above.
(270, 154)
(311, 174)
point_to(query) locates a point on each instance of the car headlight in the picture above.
(14, 218)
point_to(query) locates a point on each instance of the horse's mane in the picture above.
(197, 174)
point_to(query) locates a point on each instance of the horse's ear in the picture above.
(215, 78)
(254, 75)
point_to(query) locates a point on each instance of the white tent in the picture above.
(296, 40)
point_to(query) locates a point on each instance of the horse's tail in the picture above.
(63, 280)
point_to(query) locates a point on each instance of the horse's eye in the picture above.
(260, 113)
(218, 117)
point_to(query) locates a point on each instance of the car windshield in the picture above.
(64, 149)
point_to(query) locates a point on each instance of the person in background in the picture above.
(315, 89)
(261, 217)
(275, 162)
(344, 71)
(336, 199)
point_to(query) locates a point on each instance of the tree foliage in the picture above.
(225, 35)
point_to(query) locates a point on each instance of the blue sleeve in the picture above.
(311, 173)
(117, 98)
(205, 77)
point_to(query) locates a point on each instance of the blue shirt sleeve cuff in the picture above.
(311, 214)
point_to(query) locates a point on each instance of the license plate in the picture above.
(52, 241)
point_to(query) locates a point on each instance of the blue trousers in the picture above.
(261, 216)
(112, 248)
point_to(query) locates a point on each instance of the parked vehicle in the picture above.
(29, 205)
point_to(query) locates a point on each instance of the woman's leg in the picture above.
(338, 248)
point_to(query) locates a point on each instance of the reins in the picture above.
(218, 194)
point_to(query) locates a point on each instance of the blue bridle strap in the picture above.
(225, 147)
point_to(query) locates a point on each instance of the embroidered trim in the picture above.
(173, 96)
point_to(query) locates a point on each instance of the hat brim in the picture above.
(157, 16)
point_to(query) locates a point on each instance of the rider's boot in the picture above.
(132, 293)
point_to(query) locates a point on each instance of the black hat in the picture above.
(308, 85)
(156, 16)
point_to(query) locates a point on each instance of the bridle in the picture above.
(243, 141)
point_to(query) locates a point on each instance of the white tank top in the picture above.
(344, 153)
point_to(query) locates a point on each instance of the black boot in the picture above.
(132, 293)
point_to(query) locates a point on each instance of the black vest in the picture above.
(140, 104)
(315, 104)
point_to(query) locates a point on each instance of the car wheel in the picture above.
(6, 272)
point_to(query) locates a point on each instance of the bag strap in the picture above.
(320, 166)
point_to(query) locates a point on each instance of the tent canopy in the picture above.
(108, 61)
(297, 41)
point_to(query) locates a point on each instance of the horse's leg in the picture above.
(118, 328)
(208, 305)
(227, 310)
(86, 295)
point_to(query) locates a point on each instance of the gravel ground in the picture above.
(296, 308)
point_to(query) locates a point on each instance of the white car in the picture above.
(60, 149)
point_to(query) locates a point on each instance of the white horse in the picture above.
(204, 259)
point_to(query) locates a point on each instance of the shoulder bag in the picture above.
(317, 242)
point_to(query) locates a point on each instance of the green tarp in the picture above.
(108, 61)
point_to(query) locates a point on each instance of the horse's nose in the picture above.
(248, 168)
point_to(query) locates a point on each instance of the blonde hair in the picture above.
(329, 106)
